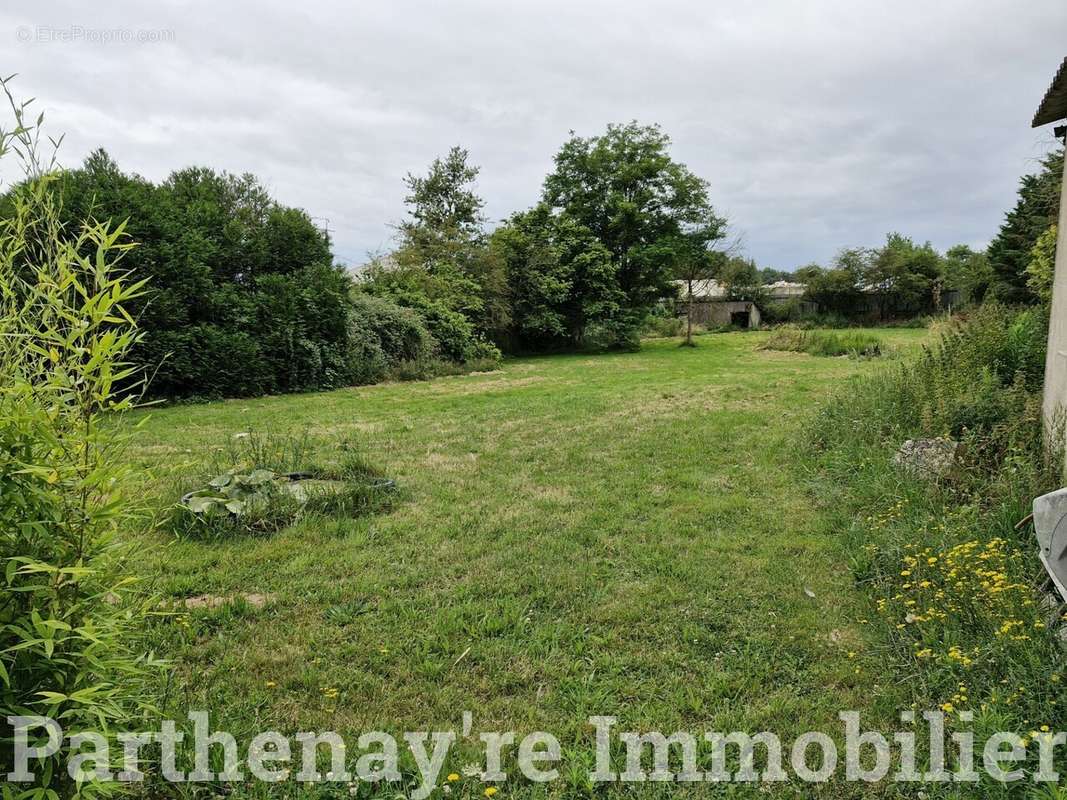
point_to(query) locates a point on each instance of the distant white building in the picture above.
(703, 291)
(710, 290)
(785, 290)
(711, 307)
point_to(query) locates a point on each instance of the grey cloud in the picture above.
(818, 124)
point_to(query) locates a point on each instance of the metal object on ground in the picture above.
(1050, 524)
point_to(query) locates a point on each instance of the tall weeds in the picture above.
(954, 580)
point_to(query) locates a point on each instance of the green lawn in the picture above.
(626, 534)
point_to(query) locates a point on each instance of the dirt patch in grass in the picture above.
(446, 461)
(469, 387)
(253, 599)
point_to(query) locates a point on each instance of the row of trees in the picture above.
(898, 278)
(905, 278)
(618, 220)
(244, 297)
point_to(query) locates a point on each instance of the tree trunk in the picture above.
(689, 317)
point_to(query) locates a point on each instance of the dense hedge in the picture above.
(243, 297)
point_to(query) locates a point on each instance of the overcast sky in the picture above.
(818, 123)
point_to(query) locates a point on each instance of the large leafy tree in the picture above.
(904, 276)
(562, 279)
(1035, 210)
(901, 277)
(967, 271)
(838, 289)
(443, 258)
(443, 207)
(627, 190)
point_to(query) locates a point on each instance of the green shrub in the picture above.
(483, 355)
(288, 333)
(212, 362)
(774, 313)
(302, 328)
(454, 336)
(662, 326)
(383, 335)
(620, 333)
(69, 623)
(839, 344)
(366, 360)
(789, 338)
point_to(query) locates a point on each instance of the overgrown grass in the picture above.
(426, 369)
(823, 343)
(615, 534)
(951, 576)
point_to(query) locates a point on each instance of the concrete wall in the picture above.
(720, 312)
(1055, 400)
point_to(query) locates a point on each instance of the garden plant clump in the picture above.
(953, 577)
(263, 483)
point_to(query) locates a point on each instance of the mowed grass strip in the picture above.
(622, 534)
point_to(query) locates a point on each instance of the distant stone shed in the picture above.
(711, 307)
